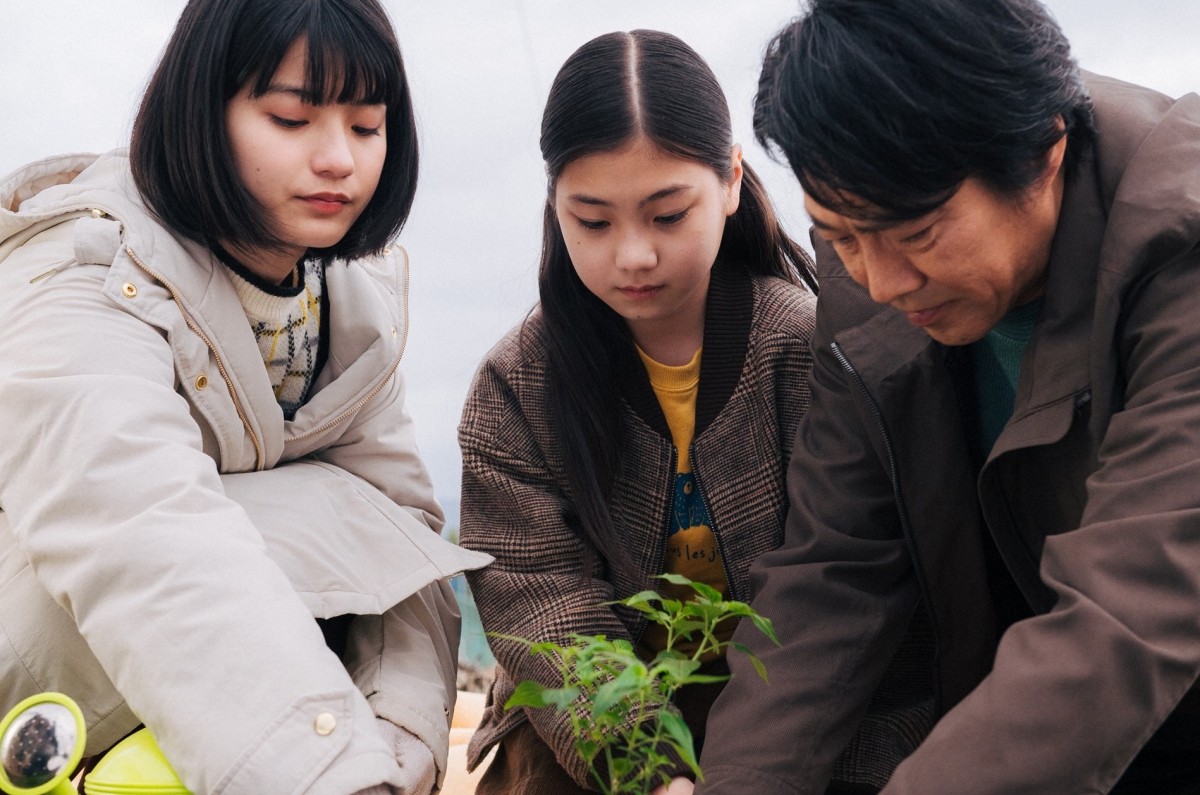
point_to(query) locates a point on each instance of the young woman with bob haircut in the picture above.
(203, 439)
(639, 421)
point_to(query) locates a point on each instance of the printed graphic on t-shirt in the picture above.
(691, 551)
(691, 545)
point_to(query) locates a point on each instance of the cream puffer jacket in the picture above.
(166, 537)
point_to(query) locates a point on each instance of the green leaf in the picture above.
(630, 724)
(706, 591)
(738, 609)
(623, 645)
(562, 697)
(684, 629)
(620, 767)
(628, 682)
(642, 598)
(587, 749)
(527, 694)
(678, 668)
(765, 627)
(681, 738)
(757, 663)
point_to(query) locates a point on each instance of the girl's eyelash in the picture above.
(292, 124)
(663, 220)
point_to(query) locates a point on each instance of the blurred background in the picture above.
(73, 72)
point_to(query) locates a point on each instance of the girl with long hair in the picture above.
(640, 420)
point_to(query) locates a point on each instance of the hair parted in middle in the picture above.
(612, 90)
(181, 157)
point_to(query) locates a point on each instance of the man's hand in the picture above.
(678, 786)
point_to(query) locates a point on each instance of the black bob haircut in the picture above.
(893, 103)
(181, 157)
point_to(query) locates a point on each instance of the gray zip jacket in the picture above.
(166, 537)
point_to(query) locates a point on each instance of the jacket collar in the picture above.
(727, 320)
(367, 339)
(1125, 207)
(1056, 366)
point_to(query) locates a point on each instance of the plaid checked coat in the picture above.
(516, 506)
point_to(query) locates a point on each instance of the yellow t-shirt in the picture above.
(691, 548)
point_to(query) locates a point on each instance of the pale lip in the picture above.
(326, 203)
(640, 291)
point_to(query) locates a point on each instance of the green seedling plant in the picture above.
(624, 724)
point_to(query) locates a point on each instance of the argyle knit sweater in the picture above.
(288, 324)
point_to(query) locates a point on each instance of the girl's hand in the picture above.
(678, 786)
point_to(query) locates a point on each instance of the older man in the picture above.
(992, 561)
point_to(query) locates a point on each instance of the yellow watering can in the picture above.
(41, 743)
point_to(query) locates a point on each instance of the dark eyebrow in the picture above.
(306, 96)
(819, 224)
(583, 198)
(858, 226)
(302, 94)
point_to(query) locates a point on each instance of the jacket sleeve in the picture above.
(380, 443)
(1124, 634)
(125, 523)
(406, 660)
(840, 591)
(316, 520)
(380, 447)
(514, 509)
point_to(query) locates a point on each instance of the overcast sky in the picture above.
(73, 71)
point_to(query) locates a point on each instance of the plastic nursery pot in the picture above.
(41, 743)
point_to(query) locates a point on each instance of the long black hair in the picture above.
(612, 90)
(181, 157)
